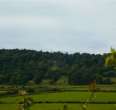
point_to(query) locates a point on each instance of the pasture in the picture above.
(56, 100)
(60, 107)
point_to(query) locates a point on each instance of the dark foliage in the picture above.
(21, 66)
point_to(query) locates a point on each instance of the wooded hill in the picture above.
(24, 66)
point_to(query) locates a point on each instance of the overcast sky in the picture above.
(58, 25)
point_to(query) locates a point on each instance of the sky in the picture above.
(58, 25)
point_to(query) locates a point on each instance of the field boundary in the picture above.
(68, 102)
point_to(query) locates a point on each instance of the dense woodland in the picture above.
(26, 66)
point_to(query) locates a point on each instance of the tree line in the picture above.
(23, 66)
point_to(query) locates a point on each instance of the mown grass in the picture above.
(73, 107)
(8, 107)
(63, 96)
(60, 107)
(12, 101)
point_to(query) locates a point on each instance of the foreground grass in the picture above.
(12, 101)
(73, 107)
(60, 107)
(8, 107)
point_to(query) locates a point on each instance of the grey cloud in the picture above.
(58, 25)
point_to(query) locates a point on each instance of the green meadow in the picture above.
(60, 107)
(63, 96)
(57, 100)
(73, 107)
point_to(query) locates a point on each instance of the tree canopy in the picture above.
(23, 66)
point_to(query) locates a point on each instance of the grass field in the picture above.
(12, 101)
(60, 107)
(73, 107)
(8, 107)
(63, 96)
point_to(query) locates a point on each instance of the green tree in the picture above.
(111, 59)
